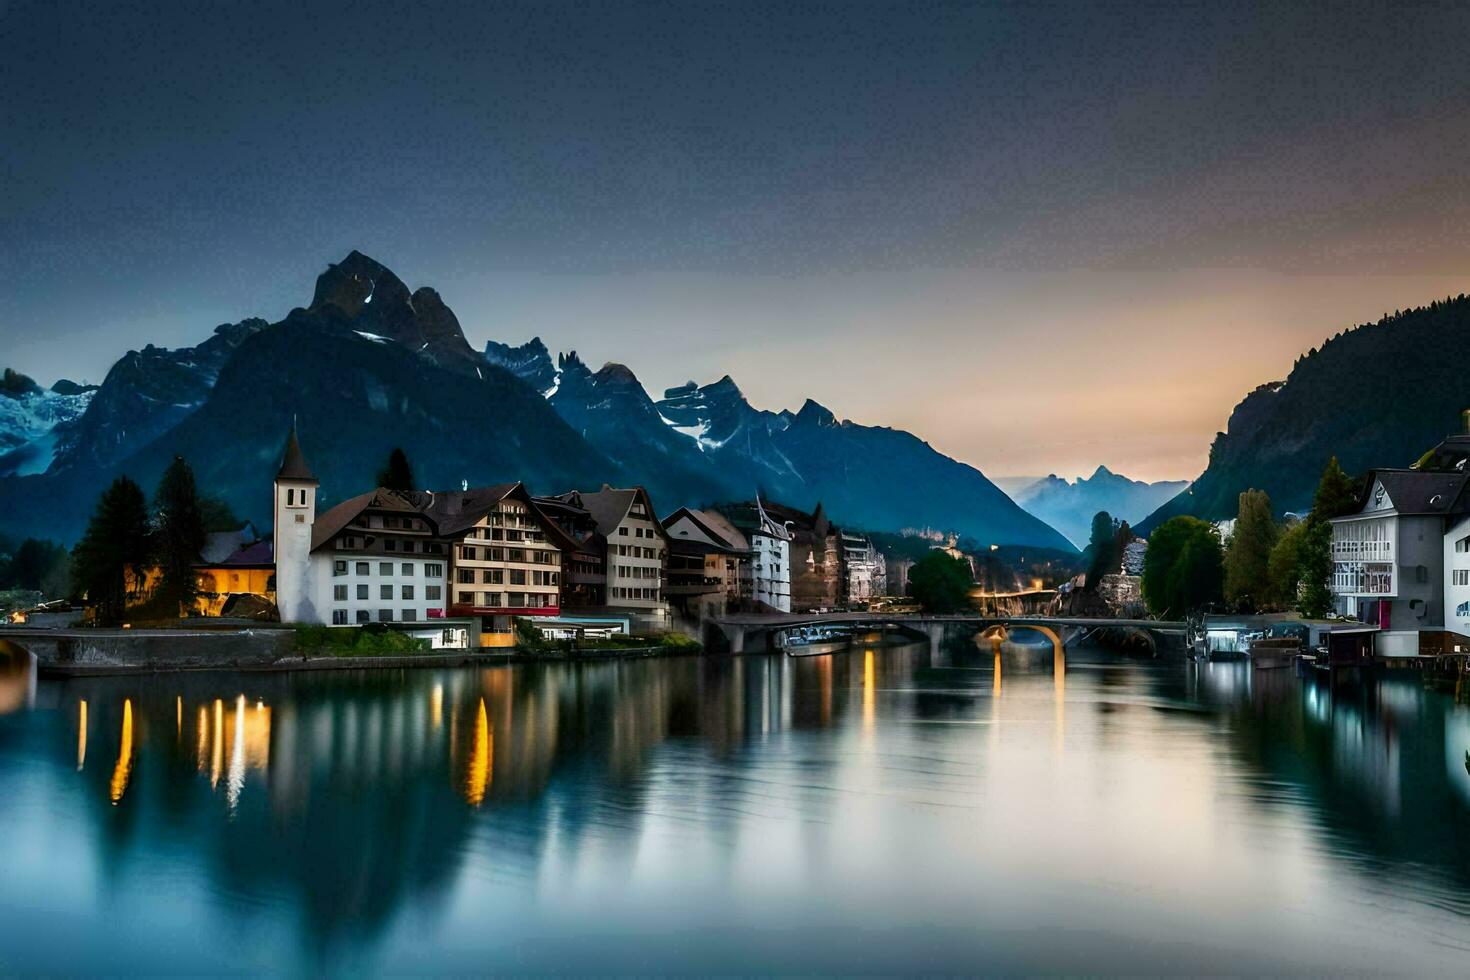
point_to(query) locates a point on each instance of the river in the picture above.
(875, 811)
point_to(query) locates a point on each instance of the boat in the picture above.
(814, 641)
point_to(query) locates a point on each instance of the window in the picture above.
(493, 576)
(385, 615)
(1462, 576)
(409, 615)
(517, 576)
(408, 592)
(363, 568)
(339, 617)
(389, 544)
(466, 598)
(385, 592)
(385, 568)
(300, 518)
(432, 592)
(408, 546)
(465, 576)
(406, 569)
(339, 593)
(1463, 545)
(339, 568)
(362, 615)
(362, 590)
(468, 553)
(433, 570)
(622, 532)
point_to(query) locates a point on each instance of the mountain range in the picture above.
(1069, 506)
(370, 365)
(1380, 394)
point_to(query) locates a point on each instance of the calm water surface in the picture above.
(875, 811)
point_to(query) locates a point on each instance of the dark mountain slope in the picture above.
(1377, 395)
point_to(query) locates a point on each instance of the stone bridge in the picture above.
(753, 632)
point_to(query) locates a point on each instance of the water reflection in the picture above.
(415, 820)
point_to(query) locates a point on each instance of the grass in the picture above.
(359, 641)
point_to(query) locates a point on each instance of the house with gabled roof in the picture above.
(480, 556)
(635, 550)
(1401, 562)
(706, 557)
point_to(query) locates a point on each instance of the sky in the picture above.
(1041, 236)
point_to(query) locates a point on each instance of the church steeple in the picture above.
(293, 462)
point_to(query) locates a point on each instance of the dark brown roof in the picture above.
(1419, 492)
(334, 520)
(609, 506)
(453, 511)
(293, 463)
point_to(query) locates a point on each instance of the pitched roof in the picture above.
(720, 532)
(453, 511)
(261, 553)
(293, 463)
(334, 520)
(610, 506)
(1419, 492)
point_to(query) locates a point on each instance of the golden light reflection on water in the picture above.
(81, 734)
(436, 706)
(217, 744)
(124, 768)
(478, 772)
(870, 694)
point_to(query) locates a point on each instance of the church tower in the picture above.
(295, 515)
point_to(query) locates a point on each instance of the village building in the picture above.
(634, 551)
(866, 570)
(1401, 562)
(478, 557)
(706, 558)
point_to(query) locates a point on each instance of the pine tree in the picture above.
(397, 474)
(178, 533)
(1102, 550)
(116, 542)
(1248, 555)
(1337, 494)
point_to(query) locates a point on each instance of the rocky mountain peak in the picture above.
(814, 414)
(531, 362)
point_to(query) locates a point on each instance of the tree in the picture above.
(397, 474)
(1337, 494)
(115, 542)
(1182, 567)
(1248, 555)
(1283, 568)
(941, 583)
(178, 524)
(1102, 549)
(33, 562)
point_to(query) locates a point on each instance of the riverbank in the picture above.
(89, 653)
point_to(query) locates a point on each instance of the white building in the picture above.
(769, 567)
(1394, 561)
(637, 551)
(865, 567)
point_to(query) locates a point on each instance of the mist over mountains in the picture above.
(1070, 505)
(370, 365)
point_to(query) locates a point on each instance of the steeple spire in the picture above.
(293, 462)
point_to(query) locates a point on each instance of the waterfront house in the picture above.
(765, 577)
(634, 551)
(706, 555)
(478, 556)
(865, 572)
(1394, 559)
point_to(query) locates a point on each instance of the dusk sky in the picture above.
(1042, 236)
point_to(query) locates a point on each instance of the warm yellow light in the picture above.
(124, 767)
(217, 747)
(81, 734)
(870, 694)
(477, 778)
(436, 706)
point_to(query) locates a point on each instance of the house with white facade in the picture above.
(1395, 563)
(465, 562)
(636, 551)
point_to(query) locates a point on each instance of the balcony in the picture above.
(1363, 578)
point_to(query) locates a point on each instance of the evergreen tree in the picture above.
(115, 544)
(397, 474)
(1337, 494)
(941, 583)
(1102, 549)
(1182, 570)
(178, 533)
(1248, 555)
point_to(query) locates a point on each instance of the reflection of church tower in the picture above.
(295, 514)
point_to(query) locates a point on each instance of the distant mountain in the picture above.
(1069, 506)
(370, 365)
(1377, 395)
(30, 417)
